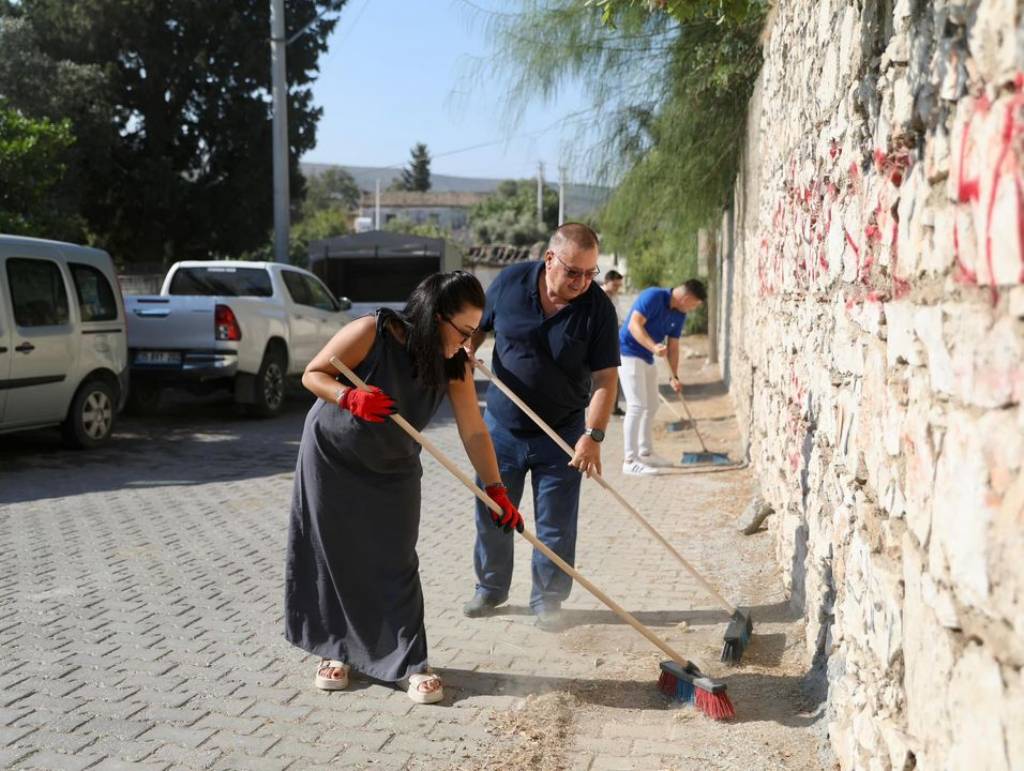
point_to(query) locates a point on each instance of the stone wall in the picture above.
(873, 340)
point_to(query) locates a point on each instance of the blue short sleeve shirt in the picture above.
(662, 321)
(547, 361)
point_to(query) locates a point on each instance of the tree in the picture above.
(32, 164)
(177, 160)
(509, 216)
(334, 188)
(668, 82)
(417, 176)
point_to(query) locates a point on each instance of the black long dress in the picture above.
(352, 585)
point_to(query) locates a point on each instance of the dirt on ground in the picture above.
(780, 720)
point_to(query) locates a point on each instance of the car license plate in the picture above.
(158, 358)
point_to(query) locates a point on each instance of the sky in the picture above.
(398, 72)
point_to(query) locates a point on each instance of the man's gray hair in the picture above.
(576, 233)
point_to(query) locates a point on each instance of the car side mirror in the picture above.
(344, 303)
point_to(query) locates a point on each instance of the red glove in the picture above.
(510, 516)
(373, 405)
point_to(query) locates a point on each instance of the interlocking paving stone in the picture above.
(141, 601)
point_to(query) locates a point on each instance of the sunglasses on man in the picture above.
(575, 273)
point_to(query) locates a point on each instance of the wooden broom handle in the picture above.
(443, 459)
(604, 483)
(693, 422)
(671, 406)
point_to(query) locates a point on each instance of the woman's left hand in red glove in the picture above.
(510, 516)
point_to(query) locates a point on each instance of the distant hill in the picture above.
(580, 201)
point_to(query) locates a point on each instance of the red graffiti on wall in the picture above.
(989, 161)
(802, 221)
(988, 184)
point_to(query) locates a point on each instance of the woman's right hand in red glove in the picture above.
(373, 405)
(510, 516)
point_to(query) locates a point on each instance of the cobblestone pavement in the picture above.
(140, 620)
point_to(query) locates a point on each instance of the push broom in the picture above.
(680, 423)
(741, 626)
(680, 678)
(705, 455)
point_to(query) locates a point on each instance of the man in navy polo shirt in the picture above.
(657, 314)
(554, 330)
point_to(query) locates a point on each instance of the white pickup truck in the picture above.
(229, 324)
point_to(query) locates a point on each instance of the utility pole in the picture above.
(561, 195)
(540, 192)
(279, 89)
(376, 208)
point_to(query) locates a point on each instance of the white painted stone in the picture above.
(976, 695)
(901, 344)
(864, 729)
(928, 658)
(898, 743)
(868, 316)
(919, 478)
(827, 92)
(940, 601)
(902, 104)
(911, 236)
(850, 222)
(849, 40)
(998, 364)
(962, 510)
(992, 42)
(1013, 715)
(936, 156)
(967, 325)
(941, 257)
(928, 327)
(1016, 302)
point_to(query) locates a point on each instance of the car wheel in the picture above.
(270, 384)
(90, 419)
(144, 398)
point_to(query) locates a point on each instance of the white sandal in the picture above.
(425, 688)
(328, 683)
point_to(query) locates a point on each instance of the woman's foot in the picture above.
(331, 675)
(424, 687)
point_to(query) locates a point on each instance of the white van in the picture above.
(63, 345)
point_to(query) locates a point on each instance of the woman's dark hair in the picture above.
(444, 295)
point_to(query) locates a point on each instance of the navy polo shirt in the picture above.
(663, 321)
(546, 361)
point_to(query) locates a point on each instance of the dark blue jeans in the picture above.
(556, 499)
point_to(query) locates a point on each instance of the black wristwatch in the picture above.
(596, 434)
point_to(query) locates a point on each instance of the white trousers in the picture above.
(640, 387)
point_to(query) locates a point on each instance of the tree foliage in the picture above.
(334, 188)
(32, 163)
(170, 103)
(416, 176)
(509, 216)
(668, 83)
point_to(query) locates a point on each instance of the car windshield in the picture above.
(226, 281)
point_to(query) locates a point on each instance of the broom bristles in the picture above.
(693, 688)
(737, 637)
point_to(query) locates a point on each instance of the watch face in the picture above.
(596, 434)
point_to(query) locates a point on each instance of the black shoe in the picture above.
(480, 605)
(619, 412)
(550, 619)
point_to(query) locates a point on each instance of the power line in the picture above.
(573, 116)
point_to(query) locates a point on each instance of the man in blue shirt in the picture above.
(657, 314)
(554, 331)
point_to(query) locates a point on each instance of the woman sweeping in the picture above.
(352, 586)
